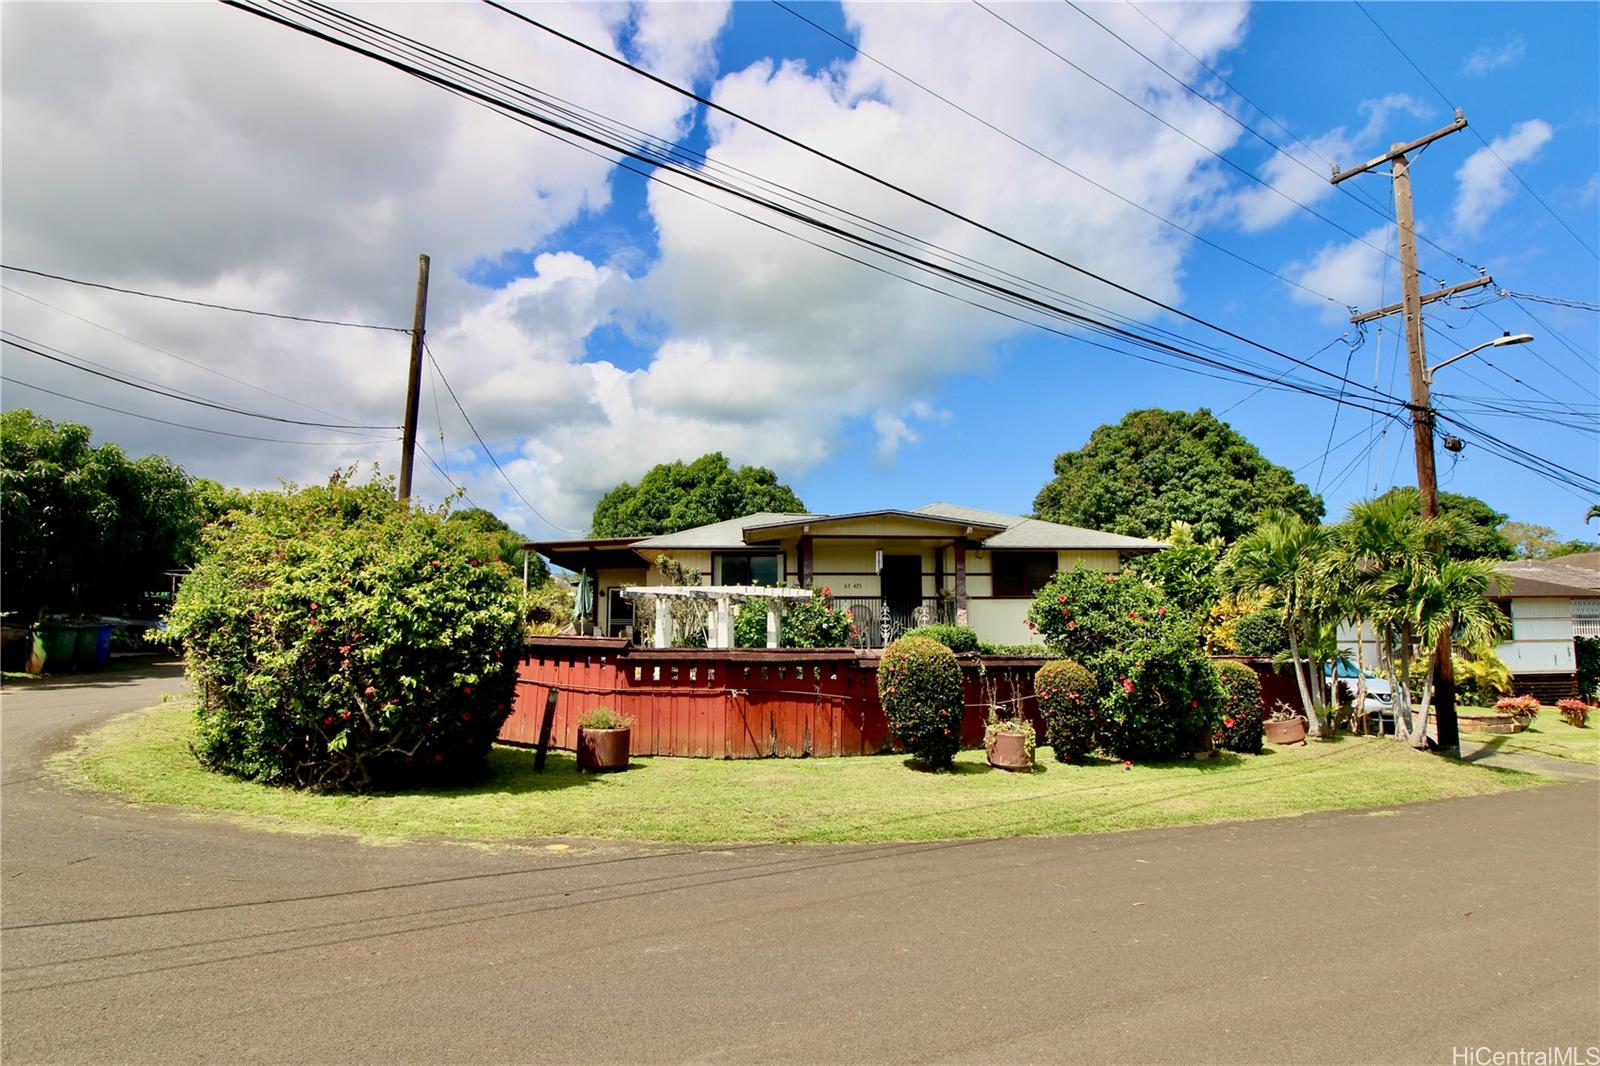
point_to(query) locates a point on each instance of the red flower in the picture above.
(435, 563)
(1194, 703)
(472, 562)
(345, 715)
(313, 607)
(370, 691)
(466, 716)
(328, 720)
(344, 649)
(1061, 599)
(1132, 617)
(1127, 686)
(827, 590)
(1126, 765)
(466, 690)
(438, 758)
(1162, 612)
(1228, 722)
(1072, 625)
(345, 665)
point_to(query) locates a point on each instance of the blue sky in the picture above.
(600, 324)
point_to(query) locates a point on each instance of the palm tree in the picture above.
(1281, 559)
(1444, 595)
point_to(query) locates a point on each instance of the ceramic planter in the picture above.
(1009, 751)
(1289, 731)
(602, 750)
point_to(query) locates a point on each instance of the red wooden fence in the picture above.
(736, 703)
(751, 703)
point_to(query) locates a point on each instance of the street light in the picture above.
(1502, 341)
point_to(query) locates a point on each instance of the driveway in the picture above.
(1394, 935)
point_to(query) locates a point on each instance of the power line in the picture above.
(486, 450)
(636, 152)
(1245, 171)
(1581, 305)
(1365, 202)
(197, 429)
(172, 355)
(1503, 164)
(949, 212)
(1059, 163)
(171, 395)
(201, 303)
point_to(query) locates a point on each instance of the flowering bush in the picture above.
(1576, 712)
(958, 639)
(919, 685)
(1156, 695)
(1520, 706)
(1242, 712)
(813, 623)
(1067, 703)
(341, 640)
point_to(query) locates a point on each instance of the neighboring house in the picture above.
(890, 569)
(1550, 602)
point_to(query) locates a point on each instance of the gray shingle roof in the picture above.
(1553, 577)
(1018, 532)
(1023, 532)
(728, 534)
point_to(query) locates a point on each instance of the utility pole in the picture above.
(419, 323)
(1421, 406)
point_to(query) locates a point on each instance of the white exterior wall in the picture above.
(1005, 620)
(1541, 638)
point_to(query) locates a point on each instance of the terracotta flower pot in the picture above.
(1289, 731)
(600, 750)
(1009, 751)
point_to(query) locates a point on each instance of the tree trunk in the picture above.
(1313, 720)
(1420, 739)
(1358, 708)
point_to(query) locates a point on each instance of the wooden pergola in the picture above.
(722, 597)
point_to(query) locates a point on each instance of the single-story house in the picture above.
(1550, 601)
(891, 569)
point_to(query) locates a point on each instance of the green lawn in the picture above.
(1549, 735)
(144, 758)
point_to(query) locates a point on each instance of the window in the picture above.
(1019, 575)
(747, 568)
(1586, 618)
(619, 612)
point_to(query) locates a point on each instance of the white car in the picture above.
(1380, 698)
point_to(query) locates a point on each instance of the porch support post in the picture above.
(663, 635)
(722, 624)
(807, 566)
(961, 583)
(772, 623)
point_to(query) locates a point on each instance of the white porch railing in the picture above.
(722, 598)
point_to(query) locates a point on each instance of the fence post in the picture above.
(546, 724)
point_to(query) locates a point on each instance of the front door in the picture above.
(901, 580)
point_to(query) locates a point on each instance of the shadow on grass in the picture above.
(509, 771)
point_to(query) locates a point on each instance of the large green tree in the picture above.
(86, 528)
(1157, 467)
(1531, 541)
(674, 496)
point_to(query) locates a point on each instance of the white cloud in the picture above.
(1352, 272)
(1487, 58)
(1485, 183)
(211, 155)
(1290, 182)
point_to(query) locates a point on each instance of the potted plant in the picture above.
(603, 740)
(1523, 708)
(1287, 726)
(1009, 742)
(1576, 712)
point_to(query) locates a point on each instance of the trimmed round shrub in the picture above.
(959, 639)
(1155, 692)
(1242, 712)
(340, 640)
(919, 685)
(1261, 633)
(1065, 691)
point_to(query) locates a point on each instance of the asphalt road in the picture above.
(1394, 935)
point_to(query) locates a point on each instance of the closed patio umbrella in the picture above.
(583, 601)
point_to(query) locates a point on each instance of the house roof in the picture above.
(1554, 578)
(727, 534)
(994, 529)
(1020, 532)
